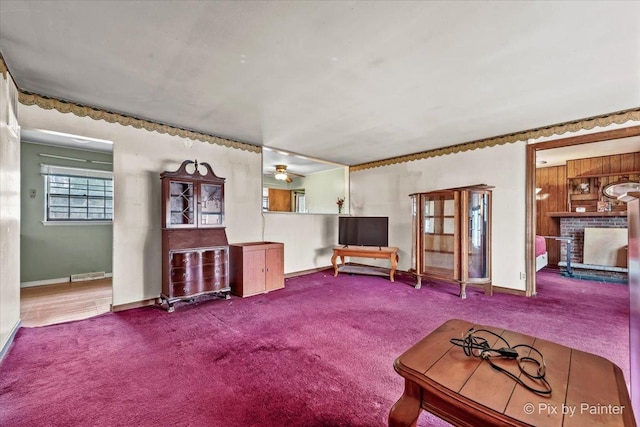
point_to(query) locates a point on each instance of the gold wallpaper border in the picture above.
(3, 67)
(48, 103)
(98, 114)
(557, 129)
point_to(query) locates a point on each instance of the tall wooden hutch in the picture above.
(195, 250)
(452, 236)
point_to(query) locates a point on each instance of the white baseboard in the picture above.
(51, 281)
(5, 347)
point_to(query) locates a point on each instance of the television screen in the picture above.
(363, 230)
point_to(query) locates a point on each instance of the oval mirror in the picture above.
(616, 189)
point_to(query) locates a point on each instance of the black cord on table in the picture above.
(477, 346)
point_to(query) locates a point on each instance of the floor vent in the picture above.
(88, 276)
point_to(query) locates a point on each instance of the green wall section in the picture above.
(57, 251)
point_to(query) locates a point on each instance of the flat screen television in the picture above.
(363, 230)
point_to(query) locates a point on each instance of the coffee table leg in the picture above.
(407, 409)
(394, 265)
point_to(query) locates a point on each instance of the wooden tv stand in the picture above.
(384, 252)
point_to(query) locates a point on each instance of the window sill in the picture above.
(56, 223)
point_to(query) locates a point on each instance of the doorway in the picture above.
(66, 226)
(532, 194)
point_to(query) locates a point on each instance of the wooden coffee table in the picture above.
(588, 390)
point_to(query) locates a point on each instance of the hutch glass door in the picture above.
(211, 204)
(478, 250)
(181, 203)
(439, 228)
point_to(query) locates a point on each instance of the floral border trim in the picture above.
(3, 67)
(558, 129)
(97, 114)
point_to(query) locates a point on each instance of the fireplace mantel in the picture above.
(587, 214)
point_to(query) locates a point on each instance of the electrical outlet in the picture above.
(523, 276)
(32, 193)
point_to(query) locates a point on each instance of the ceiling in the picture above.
(559, 156)
(302, 165)
(78, 142)
(347, 82)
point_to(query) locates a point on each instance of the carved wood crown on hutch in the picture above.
(183, 173)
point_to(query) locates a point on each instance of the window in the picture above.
(74, 194)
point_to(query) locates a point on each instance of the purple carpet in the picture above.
(318, 353)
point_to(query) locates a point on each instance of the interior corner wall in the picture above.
(9, 212)
(139, 156)
(384, 191)
(49, 252)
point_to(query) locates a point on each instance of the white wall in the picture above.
(322, 190)
(9, 212)
(139, 156)
(308, 238)
(385, 191)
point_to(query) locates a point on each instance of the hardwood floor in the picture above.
(63, 302)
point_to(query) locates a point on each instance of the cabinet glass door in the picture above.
(478, 217)
(181, 204)
(438, 240)
(211, 205)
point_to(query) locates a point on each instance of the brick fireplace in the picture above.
(573, 226)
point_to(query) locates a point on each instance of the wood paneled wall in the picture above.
(554, 198)
(606, 165)
(551, 198)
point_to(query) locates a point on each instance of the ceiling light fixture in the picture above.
(281, 172)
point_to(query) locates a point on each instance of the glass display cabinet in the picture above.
(195, 250)
(452, 236)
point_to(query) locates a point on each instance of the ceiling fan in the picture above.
(281, 173)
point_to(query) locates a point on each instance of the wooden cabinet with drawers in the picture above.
(256, 267)
(195, 251)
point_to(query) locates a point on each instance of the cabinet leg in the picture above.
(164, 300)
(463, 290)
(418, 282)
